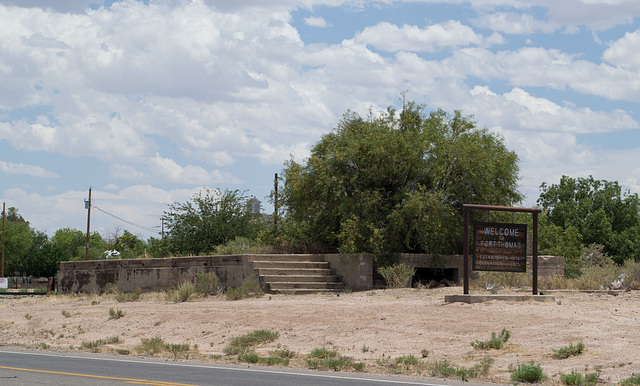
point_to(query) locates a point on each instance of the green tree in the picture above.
(209, 219)
(396, 183)
(598, 210)
(71, 242)
(129, 245)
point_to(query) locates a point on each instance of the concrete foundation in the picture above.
(357, 272)
(487, 298)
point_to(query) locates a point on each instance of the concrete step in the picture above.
(294, 271)
(305, 286)
(299, 278)
(309, 258)
(299, 291)
(291, 264)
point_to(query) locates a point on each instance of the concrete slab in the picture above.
(487, 298)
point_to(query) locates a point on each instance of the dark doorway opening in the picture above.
(435, 277)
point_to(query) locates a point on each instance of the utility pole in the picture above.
(275, 210)
(87, 205)
(4, 216)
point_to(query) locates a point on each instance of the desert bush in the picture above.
(397, 275)
(567, 351)
(530, 373)
(577, 379)
(207, 283)
(182, 293)
(250, 288)
(115, 314)
(495, 342)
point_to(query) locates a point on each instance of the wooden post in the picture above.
(86, 256)
(4, 216)
(534, 256)
(465, 247)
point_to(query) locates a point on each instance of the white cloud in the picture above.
(316, 21)
(389, 37)
(31, 170)
(514, 23)
(624, 53)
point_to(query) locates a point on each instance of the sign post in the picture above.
(499, 246)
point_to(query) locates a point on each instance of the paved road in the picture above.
(37, 368)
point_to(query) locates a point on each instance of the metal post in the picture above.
(86, 256)
(465, 247)
(534, 257)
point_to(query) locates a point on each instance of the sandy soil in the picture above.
(366, 326)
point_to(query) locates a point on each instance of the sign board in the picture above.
(500, 247)
(4, 283)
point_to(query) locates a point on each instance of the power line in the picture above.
(127, 221)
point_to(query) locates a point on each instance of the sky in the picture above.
(149, 102)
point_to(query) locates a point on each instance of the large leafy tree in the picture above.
(598, 210)
(209, 219)
(396, 183)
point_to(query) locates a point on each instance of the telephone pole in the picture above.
(87, 205)
(275, 209)
(4, 216)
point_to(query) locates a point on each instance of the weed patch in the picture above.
(632, 380)
(155, 346)
(568, 351)
(134, 296)
(247, 343)
(495, 342)
(323, 359)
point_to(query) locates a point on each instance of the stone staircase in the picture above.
(295, 274)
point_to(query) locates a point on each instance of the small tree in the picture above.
(209, 219)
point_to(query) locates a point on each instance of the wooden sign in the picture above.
(500, 247)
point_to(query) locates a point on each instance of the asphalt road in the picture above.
(41, 368)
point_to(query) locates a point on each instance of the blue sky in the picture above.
(147, 102)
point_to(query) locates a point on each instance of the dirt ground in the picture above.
(367, 326)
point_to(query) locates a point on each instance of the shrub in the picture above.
(576, 379)
(249, 288)
(182, 294)
(495, 342)
(530, 373)
(207, 283)
(397, 275)
(567, 351)
(115, 314)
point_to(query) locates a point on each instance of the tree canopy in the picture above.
(209, 219)
(596, 212)
(395, 183)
